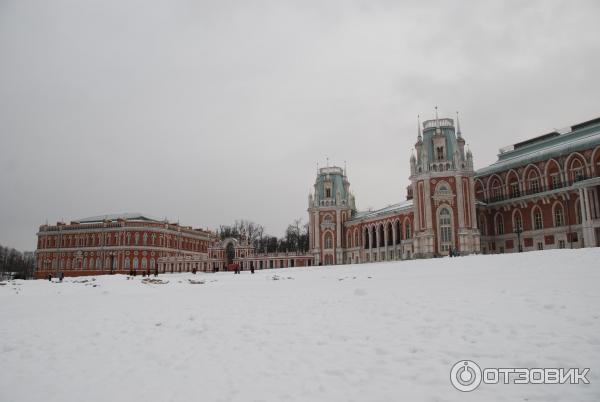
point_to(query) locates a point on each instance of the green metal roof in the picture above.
(580, 137)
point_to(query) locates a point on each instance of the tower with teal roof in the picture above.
(330, 204)
(442, 180)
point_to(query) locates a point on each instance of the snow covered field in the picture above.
(372, 332)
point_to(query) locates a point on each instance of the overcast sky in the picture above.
(207, 112)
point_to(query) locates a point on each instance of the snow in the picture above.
(371, 332)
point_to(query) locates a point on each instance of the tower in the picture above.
(329, 207)
(442, 180)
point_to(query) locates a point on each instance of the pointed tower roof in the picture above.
(458, 132)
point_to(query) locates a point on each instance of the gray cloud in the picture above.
(208, 112)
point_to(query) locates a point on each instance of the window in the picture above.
(537, 220)
(137, 239)
(328, 241)
(407, 230)
(145, 239)
(577, 170)
(445, 221)
(327, 193)
(514, 190)
(518, 221)
(443, 189)
(559, 219)
(534, 182)
(135, 263)
(555, 181)
(499, 225)
(440, 153)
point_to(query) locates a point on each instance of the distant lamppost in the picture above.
(518, 231)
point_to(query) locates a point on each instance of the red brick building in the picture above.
(541, 193)
(114, 244)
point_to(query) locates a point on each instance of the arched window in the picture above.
(98, 263)
(559, 217)
(445, 221)
(407, 230)
(356, 239)
(533, 181)
(91, 263)
(538, 222)
(518, 221)
(577, 170)
(85, 263)
(578, 215)
(137, 239)
(127, 264)
(135, 263)
(152, 263)
(145, 238)
(496, 189)
(499, 223)
(443, 189)
(328, 240)
(144, 263)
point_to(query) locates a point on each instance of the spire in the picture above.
(458, 133)
(419, 137)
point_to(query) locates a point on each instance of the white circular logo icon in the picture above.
(465, 375)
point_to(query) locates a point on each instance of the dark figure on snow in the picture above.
(50, 277)
(251, 269)
(156, 272)
(62, 276)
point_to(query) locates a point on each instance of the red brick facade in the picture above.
(132, 244)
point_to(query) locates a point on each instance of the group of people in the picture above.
(238, 270)
(61, 276)
(133, 272)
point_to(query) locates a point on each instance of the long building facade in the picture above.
(123, 243)
(138, 244)
(542, 193)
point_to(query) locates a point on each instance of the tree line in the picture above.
(17, 264)
(295, 238)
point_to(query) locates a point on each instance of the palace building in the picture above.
(135, 244)
(540, 194)
(114, 244)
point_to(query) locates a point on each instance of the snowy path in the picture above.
(372, 332)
